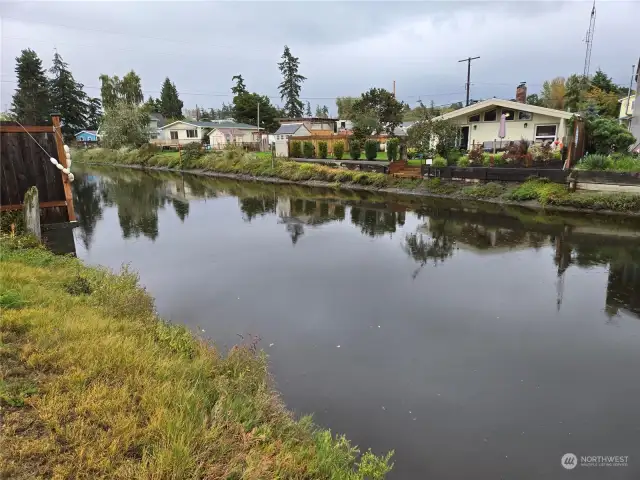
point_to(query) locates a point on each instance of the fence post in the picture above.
(62, 159)
(31, 212)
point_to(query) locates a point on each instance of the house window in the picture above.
(525, 115)
(511, 114)
(344, 124)
(192, 133)
(546, 132)
(491, 115)
(474, 118)
(174, 134)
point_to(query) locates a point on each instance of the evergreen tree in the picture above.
(239, 88)
(318, 111)
(68, 98)
(245, 110)
(574, 89)
(94, 113)
(604, 82)
(308, 110)
(291, 84)
(153, 105)
(170, 103)
(325, 111)
(31, 99)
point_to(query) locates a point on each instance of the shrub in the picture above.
(370, 149)
(453, 156)
(190, 152)
(487, 190)
(323, 150)
(625, 163)
(439, 162)
(476, 155)
(355, 149)
(542, 152)
(392, 149)
(296, 150)
(605, 135)
(463, 161)
(595, 162)
(411, 152)
(308, 149)
(338, 150)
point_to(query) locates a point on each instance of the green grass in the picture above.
(237, 162)
(94, 385)
(613, 163)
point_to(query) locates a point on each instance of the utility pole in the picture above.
(468, 60)
(394, 89)
(259, 134)
(633, 74)
(197, 113)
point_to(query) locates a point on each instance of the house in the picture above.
(87, 136)
(634, 121)
(225, 133)
(285, 131)
(187, 131)
(156, 122)
(480, 122)
(315, 125)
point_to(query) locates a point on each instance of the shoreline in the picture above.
(529, 204)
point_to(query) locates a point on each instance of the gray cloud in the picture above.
(344, 48)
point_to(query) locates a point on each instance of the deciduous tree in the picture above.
(124, 124)
(381, 106)
(345, 107)
(552, 94)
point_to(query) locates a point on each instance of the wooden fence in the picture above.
(24, 165)
(331, 141)
(498, 174)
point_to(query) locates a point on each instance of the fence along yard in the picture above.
(24, 165)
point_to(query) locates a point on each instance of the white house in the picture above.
(480, 122)
(185, 131)
(285, 131)
(225, 133)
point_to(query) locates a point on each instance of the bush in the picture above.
(411, 153)
(487, 190)
(296, 150)
(355, 149)
(453, 156)
(308, 149)
(370, 149)
(606, 135)
(338, 150)
(463, 162)
(542, 152)
(189, 153)
(595, 162)
(439, 162)
(625, 163)
(323, 150)
(476, 155)
(392, 149)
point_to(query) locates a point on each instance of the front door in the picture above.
(464, 138)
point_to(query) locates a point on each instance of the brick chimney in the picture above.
(521, 93)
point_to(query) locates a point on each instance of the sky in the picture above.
(344, 47)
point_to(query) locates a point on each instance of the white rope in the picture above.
(66, 170)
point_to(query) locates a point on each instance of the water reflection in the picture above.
(442, 228)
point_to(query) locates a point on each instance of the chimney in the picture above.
(521, 93)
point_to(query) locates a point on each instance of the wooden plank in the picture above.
(62, 158)
(30, 129)
(55, 203)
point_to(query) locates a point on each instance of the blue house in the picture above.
(87, 136)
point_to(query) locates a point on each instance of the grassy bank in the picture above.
(94, 385)
(235, 162)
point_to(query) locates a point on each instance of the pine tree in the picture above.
(291, 84)
(68, 98)
(318, 111)
(94, 113)
(325, 111)
(308, 110)
(239, 88)
(170, 103)
(31, 103)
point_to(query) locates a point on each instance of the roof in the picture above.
(308, 119)
(523, 107)
(241, 126)
(158, 117)
(90, 132)
(288, 128)
(229, 130)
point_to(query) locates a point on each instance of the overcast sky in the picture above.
(344, 48)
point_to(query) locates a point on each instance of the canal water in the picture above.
(476, 342)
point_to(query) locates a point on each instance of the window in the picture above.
(474, 118)
(511, 114)
(546, 132)
(525, 115)
(491, 115)
(344, 124)
(192, 133)
(173, 134)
